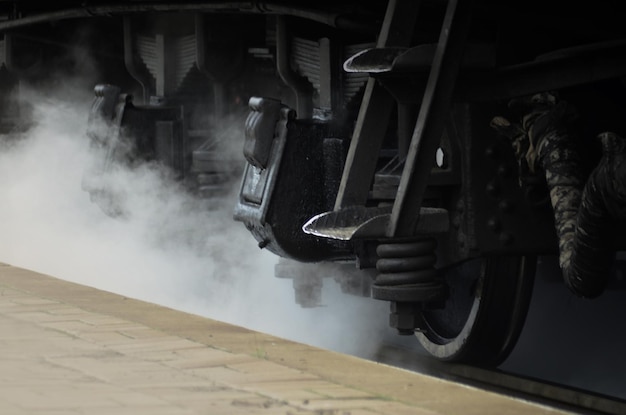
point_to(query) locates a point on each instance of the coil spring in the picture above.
(406, 262)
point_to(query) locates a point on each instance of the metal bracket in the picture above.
(375, 112)
(359, 222)
(431, 119)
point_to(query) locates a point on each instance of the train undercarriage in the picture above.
(422, 153)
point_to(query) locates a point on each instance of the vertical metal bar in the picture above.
(300, 87)
(161, 62)
(375, 111)
(367, 139)
(330, 87)
(431, 119)
(129, 60)
(7, 53)
(200, 43)
(164, 146)
(407, 114)
(217, 83)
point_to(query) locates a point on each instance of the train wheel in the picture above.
(485, 312)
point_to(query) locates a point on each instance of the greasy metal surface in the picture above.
(534, 387)
(299, 85)
(260, 130)
(273, 202)
(359, 222)
(430, 122)
(570, 399)
(258, 183)
(411, 60)
(375, 111)
(574, 66)
(61, 13)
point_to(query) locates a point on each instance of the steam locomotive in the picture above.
(422, 153)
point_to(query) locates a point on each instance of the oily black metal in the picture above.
(580, 65)
(375, 147)
(375, 111)
(300, 86)
(406, 317)
(283, 188)
(401, 263)
(139, 72)
(408, 279)
(431, 119)
(323, 13)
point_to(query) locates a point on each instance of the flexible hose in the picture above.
(603, 205)
(585, 211)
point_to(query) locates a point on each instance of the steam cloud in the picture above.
(170, 249)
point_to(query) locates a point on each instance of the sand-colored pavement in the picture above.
(67, 349)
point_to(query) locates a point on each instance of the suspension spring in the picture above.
(407, 271)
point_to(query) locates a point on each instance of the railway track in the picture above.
(536, 390)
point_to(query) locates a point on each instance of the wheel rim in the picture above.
(484, 313)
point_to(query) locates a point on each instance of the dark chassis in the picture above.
(422, 153)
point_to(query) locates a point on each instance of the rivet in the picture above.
(460, 205)
(456, 222)
(461, 240)
(491, 152)
(506, 238)
(494, 224)
(492, 189)
(506, 206)
(504, 171)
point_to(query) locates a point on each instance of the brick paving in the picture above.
(66, 349)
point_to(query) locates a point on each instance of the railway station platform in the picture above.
(68, 349)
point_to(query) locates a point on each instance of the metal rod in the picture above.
(129, 60)
(594, 63)
(300, 86)
(249, 7)
(431, 119)
(375, 111)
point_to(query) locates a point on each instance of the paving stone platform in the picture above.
(68, 349)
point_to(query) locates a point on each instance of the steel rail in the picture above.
(542, 392)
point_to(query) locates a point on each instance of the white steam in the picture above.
(170, 249)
